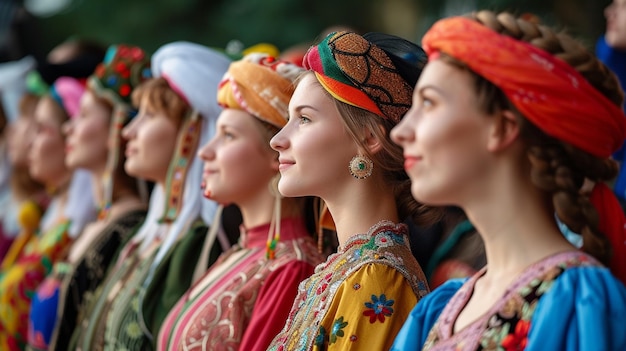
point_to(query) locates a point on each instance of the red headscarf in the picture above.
(552, 95)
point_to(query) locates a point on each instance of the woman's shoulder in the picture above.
(588, 296)
(424, 315)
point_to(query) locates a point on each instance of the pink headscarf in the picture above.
(67, 92)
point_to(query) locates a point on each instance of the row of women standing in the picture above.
(349, 127)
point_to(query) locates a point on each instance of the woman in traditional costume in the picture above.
(513, 123)
(336, 146)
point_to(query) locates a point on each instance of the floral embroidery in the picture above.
(321, 337)
(324, 284)
(518, 339)
(133, 330)
(422, 288)
(379, 308)
(356, 286)
(337, 330)
(508, 327)
(383, 240)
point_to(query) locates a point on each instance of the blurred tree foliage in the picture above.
(152, 23)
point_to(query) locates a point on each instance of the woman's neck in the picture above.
(359, 206)
(257, 209)
(60, 185)
(517, 226)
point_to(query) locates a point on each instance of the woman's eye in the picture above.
(304, 119)
(227, 135)
(426, 102)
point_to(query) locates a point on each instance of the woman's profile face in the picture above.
(20, 137)
(87, 135)
(315, 148)
(151, 137)
(444, 136)
(238, 163)
(47, 153)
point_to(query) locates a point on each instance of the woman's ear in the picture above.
(505, 130)
(372, 141)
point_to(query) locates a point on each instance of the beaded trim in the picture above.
(177, 172)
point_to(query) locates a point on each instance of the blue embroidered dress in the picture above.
(565, 302)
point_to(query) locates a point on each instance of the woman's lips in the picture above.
(410, 161)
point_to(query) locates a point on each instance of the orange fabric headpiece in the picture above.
(545, 89)
(260, 85)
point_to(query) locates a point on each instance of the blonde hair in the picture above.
(161, 97)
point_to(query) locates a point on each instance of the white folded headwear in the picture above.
(194, 71)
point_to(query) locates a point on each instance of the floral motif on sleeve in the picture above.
(337, 330)
(378, 308)
(320, 339)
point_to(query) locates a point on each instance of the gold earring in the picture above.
(361, 167)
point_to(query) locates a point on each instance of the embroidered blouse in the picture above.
(565, 302)
(359, 298)
(19, 282)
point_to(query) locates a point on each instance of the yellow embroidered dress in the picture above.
(359, 298)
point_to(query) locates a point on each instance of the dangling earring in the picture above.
(274, 233)
(361, 167)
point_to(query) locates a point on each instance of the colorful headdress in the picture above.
(359, 73)
(123, 69)
(551, 94)
(260, 85)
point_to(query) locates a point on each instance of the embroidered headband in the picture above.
(67, 91)
(260, 85)
(357, 72)
(550, 93)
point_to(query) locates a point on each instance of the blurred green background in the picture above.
(35, 26)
